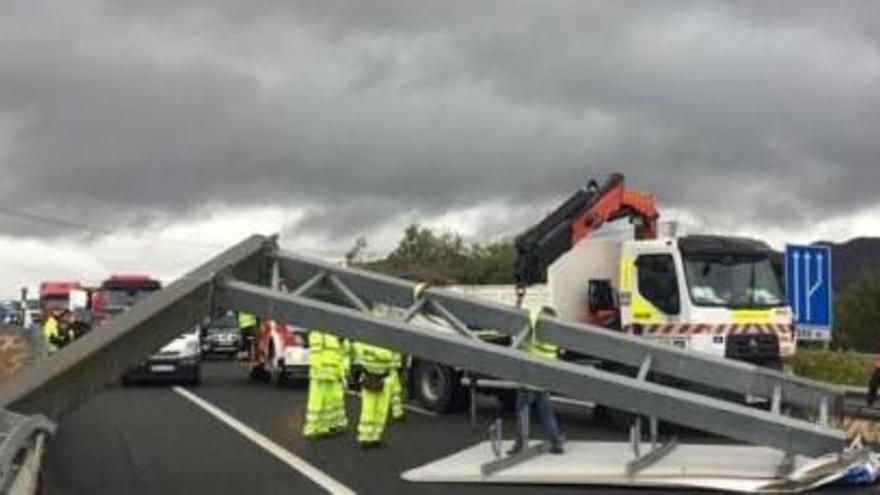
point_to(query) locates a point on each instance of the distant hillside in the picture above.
(854, 258)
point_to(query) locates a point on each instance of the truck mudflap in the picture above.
(686, 466)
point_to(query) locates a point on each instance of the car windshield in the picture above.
(124, 298)
(224, 323)
(734, 281)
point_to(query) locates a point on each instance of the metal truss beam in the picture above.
(688, 366)
(61, 382)
(724, 418)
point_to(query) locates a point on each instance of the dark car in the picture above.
(221, 336)
(179, 361)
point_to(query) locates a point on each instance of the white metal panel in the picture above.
(568, 276)
(741, 468)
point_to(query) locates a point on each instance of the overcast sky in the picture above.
(174, 128)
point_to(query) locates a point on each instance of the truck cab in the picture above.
(120, 292)
(55, 297)
(718, 295)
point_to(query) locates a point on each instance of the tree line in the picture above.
(442, 258)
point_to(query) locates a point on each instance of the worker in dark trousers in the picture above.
(874, 383)
(247, 327)
(528, 398)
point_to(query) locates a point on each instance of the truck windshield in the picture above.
(55, 302)
(734, 281)
(124, 298)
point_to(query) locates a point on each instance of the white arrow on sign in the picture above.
(811, 289)
(797, 286)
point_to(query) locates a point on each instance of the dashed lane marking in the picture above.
(311, 472)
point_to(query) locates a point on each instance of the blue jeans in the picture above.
(525, 399)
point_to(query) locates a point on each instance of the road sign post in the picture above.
(808, 290)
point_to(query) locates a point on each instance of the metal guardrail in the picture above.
(17, 435)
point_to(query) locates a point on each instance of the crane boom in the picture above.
(575, 219)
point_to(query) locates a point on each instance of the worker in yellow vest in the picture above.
(325, 407)
(395, 388)
(529, 397)
(377, 363)
(247, 328)
(50, 334)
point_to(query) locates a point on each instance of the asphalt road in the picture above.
(153, 439)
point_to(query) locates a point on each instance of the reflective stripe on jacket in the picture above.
(535, 345)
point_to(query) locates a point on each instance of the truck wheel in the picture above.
(437, 387)
(257, 373)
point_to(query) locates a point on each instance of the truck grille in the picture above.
(757, 349)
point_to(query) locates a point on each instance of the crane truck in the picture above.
(718, 295)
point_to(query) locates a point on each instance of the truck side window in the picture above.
(658, 282)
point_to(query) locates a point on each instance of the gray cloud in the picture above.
(136, 113)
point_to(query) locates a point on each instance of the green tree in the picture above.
(352, 256)
(857, 314)
(492, 264)
(444, 258)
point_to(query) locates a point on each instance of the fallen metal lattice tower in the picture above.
(250, 275)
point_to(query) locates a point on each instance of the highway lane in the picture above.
(153, 440)
(149, 440)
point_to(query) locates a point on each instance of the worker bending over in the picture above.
(325, 407)
(377, 363)
(529, 397)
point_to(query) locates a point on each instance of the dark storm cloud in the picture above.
(367, 112)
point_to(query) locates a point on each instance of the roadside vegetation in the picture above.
(838, 367)
(13, 352)
(857, 314)
(442, 258)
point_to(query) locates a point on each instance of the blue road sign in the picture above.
(808, 285)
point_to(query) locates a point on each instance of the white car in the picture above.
(177, 361)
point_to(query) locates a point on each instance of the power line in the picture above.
(67, 224)
(104, 231)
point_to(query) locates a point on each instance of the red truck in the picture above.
(55, 297)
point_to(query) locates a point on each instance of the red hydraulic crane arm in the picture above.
(577, 218)
(618, 202)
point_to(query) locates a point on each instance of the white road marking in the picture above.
(316, 475)
(408, 407)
